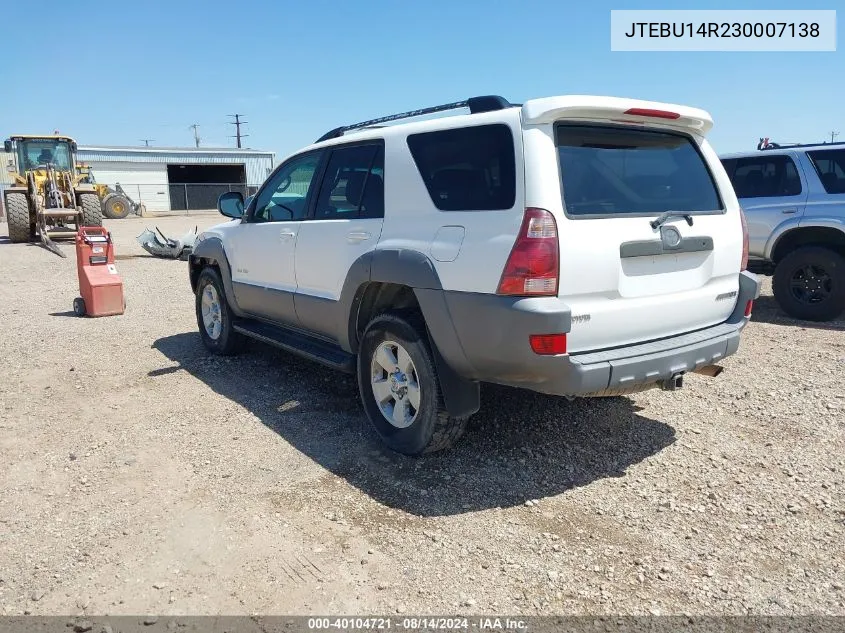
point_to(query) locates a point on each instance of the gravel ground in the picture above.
(141, 475)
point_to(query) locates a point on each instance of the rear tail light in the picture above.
(548, 344)
(533, 265)
(744, 264)
(748, 307)
(657, 114)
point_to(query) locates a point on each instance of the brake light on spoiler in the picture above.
(657, 114)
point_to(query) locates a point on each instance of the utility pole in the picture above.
(833, 136)
(238, 123)
(147, 141)
(195, 128)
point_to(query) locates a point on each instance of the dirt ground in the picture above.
(141, 475)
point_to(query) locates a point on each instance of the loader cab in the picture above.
(32, 152)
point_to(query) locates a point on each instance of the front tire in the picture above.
(17, 218)
(809, 284)
(116, 206)
(92, 212)
(214, 317)
(400, 389)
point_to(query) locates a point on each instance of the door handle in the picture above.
(357, 236)
(789, 211)
(287, 234)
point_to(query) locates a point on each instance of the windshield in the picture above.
(32, 153)
(614, 171)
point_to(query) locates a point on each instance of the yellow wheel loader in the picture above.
(115, 201)
(48, 199)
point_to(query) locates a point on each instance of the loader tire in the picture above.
(116, 206)
(92, 213)
(21, 229)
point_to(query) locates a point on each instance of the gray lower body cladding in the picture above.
(493, 333)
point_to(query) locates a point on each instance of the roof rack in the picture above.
(765, 144)
(476, 105)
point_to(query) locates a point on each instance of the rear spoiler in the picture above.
(617, 110)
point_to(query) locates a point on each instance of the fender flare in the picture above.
(212, 250)
(415, 270)
(794, 224)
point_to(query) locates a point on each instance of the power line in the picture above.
(195, 128)
(833, 136)
(238, 123)
(147, 141)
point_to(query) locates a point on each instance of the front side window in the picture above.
(830, 165)
(285, 196)
(608, 170)
(353, 184)
(467, 169)
(764, 176)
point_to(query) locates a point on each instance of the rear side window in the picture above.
(467, 169)
(830, 165)
(615, 171)
(353, 184)
(763, 176)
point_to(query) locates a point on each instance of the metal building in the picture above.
(178, 178)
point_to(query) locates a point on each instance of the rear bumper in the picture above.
(493, 332)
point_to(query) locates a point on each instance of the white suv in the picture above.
(577, 246)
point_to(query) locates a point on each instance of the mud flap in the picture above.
(462, 397)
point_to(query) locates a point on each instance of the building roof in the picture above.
(181, 150)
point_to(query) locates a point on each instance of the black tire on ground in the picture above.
(228, 341)
(432, 429)
(92, 212)
(18, 219)
(809, 284)
(116, 206)
(79, 307)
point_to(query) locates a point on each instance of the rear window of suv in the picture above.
(609, 170)
(830, 165)
(467, 169)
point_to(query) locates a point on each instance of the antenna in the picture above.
(195, 128)
(238, 123)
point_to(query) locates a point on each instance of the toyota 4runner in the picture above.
(794, 200)
(575, 246)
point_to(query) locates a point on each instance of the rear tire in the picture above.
(17, 218)
(394, 339)
(116, 206)
(809, 284)
(214, 317)
(92, 212)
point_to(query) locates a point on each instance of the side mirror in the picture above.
(231, 204)
(74, 147)
(7, 146)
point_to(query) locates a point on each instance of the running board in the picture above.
(298, 343)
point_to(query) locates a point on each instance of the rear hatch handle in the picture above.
(663, 217)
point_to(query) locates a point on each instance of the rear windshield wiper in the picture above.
(663, 217)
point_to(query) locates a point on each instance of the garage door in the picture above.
(143, 182)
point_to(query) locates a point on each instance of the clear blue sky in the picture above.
(119, 72)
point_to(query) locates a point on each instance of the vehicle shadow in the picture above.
(767, 310)
(521, 446)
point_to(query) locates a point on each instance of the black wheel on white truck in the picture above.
(809, 283)
(400, 389)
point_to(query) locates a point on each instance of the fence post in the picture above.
(187, 204)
